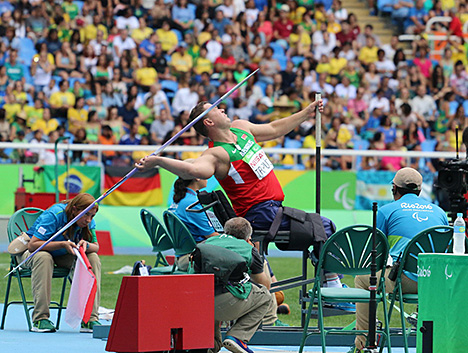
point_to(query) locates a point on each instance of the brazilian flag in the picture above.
(78, 179)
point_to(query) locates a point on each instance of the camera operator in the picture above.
(400, 221)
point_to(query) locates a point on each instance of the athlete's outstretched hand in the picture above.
(147, 163)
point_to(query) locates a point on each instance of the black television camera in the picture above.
(452, 180)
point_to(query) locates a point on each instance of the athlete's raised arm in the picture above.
(280, 127)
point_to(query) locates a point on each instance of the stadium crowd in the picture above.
(129, 71)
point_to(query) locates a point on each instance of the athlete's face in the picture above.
(218, 116)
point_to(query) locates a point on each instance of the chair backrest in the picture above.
(158, 234)
(348, 251)
(21, 221)
(436, 239)
(181, 237)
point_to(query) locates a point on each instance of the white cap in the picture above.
(284, 8)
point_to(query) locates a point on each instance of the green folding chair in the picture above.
(19, 222)
(181, 237)
(160, 240)
(348, 251)
(436, 239)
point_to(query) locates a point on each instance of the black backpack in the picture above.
(227, 266)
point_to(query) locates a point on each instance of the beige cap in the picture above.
(408, 178)
(284, 8)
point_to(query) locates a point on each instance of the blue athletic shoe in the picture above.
(235, 345)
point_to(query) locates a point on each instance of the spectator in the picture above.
(121, 43)
(459, 82)
(269, 66)
(400, 10)
(220, 22)
(77, 116)
(46, 123)
(361, 39)
(159, 62)
(62, 100)
(182, 15)
(368, 53)
(91, 31)
(66, 62)
(417, 18)
(380, 102)
(391, 48)
(226, 61)
(147, 47)
(142, 32)
(100, 44)
(161, 127)
(423, 62)
(4, 126)
(128, 113)
(185, 98)
(181, 61)
(167, 37)
(383, 65)
(14, 69)
(37, 22)
(424, 105)
(146, 76)
(346, 34)
(283, 27)
(107, 138)
(127, 21)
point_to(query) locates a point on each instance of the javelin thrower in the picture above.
(236, 160)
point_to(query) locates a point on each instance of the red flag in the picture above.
(82, 292)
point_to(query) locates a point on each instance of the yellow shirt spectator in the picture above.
(368, 55)
(146, 76)
(90, 31)
(60, 99)
(33, 114)
(139, 35)
(45, 126)
(319, 18)
(333, 27)
(168, 39)
(11, 109)
(181, 62)
(77, 118)
(296, 16)
(323, 68)
(459, 53)
(203, 37)
(336, 65)
(203, 65)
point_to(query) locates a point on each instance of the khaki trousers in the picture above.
(42, 267)
(248, 314)
(362, 309)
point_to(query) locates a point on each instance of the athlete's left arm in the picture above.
(277, 128)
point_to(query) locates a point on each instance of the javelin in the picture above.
(126, 177)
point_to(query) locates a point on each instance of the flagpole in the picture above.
(126, 177)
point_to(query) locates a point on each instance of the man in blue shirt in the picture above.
(400, 221)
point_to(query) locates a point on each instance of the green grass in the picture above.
(282, 267)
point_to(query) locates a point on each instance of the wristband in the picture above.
(87, 246)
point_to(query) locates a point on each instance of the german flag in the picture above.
(142, 189)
